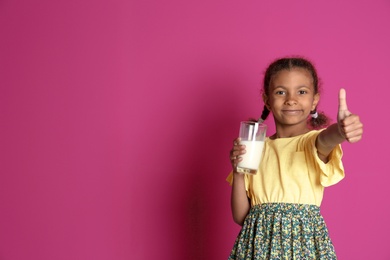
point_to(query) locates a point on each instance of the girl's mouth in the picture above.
(291, 112)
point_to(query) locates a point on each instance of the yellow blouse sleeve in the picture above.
(230, 180)
(333, 171)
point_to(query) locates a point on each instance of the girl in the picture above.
(278, 208)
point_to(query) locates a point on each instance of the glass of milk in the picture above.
(252, 135)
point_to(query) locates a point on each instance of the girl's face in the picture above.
(291, 97)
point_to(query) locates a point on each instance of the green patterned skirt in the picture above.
(283, 231)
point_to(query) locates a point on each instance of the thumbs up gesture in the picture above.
(349, 124)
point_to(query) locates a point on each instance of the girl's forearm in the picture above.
(239, 201)
(327, 141)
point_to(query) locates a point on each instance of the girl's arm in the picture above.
(348, 127)
(239, 201)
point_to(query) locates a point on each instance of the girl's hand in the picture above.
(236, 151)
(349, 124)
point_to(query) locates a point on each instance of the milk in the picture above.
(251, 159)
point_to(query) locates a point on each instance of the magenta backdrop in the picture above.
(117, 118)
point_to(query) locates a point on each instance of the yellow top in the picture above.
(291, 172)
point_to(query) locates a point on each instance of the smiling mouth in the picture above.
(291, 112)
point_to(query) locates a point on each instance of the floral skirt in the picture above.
(283, 231)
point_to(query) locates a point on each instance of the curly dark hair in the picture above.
(288, 63)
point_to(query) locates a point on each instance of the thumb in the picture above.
(343, 108)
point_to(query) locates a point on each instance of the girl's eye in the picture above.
(279, 92)
(301, 92)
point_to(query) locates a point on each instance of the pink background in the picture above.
(117, 118)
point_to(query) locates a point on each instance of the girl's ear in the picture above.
(265, 100)
(315, 101)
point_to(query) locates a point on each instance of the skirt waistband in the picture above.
(286, 208)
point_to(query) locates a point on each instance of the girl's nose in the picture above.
(290, 100)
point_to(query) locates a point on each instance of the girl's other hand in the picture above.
(235, 153)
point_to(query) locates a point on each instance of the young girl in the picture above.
(278, 207)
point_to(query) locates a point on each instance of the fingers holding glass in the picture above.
(236, 152)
